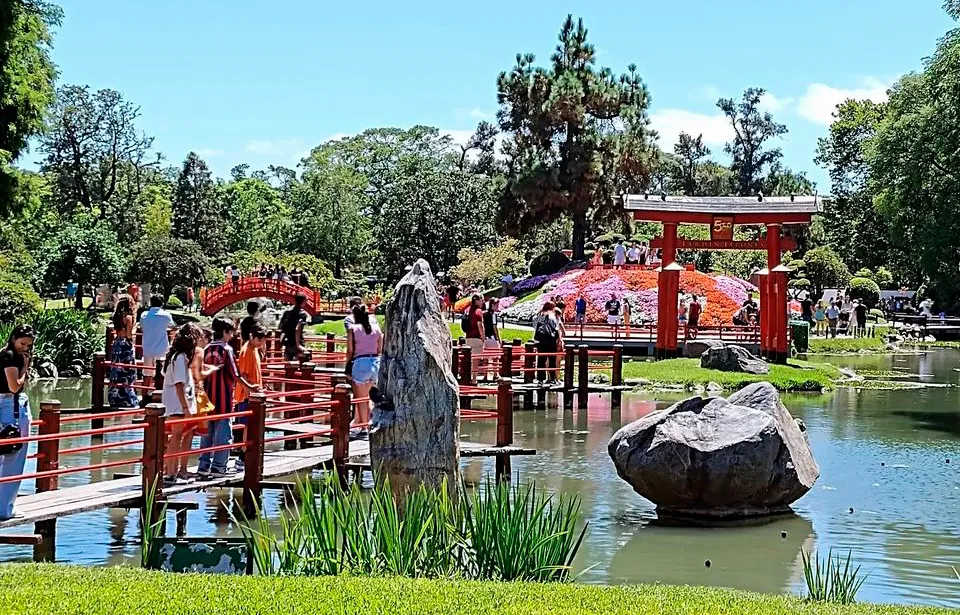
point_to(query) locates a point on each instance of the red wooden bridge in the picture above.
(245, 289)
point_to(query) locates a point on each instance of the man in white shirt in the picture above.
(633, 254)
(619, 255)
(156, 323)
(925, 308)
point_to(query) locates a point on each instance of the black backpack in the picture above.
(545, 329)
(465, 321)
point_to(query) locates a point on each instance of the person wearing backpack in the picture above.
(472, 324)
(546, 333)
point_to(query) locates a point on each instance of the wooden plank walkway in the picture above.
(127, 491)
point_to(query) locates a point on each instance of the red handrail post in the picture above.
(340, 425)
(455, 362)
(291, 371)
(99, 381)
(583, 377)
(331, 349)
(307, 372)
(48, 459)
(569, 365)
(529, 363)
(108, 342)
(617, 375)
(466, 366)
(253, 464)
(154, 448)
(504, 426)
(506, 361)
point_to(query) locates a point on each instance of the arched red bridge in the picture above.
(221, 297)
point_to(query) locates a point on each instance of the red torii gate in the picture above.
(225, 295)
(723, 214)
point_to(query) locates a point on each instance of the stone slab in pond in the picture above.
(744, 456)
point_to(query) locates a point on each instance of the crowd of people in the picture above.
(636, 254)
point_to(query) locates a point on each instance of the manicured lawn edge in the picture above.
(29, 589)
(795, 376)
(506, 334)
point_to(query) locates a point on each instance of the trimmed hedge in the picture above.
(548, 262)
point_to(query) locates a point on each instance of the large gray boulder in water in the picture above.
(415, 428)
(732, 359)
(744, 456)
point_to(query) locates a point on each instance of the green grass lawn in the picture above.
(508, 334)
(795, 376)
(846, 345)
(49, 590)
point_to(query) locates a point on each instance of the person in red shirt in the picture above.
(693, 316)
(474, 331)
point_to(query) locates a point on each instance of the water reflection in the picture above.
(886, 491)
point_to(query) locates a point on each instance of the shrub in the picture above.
(610, 238)
(17, 300)
(865, 290)
(800, 284)
(65, 338)
(548, 262)
(174, 302)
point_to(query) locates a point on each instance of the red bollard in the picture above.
(253, 464)
(154, 448)
(504, 426)
(48, 459)
(340, 424)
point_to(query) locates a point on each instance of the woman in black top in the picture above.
(14, 409)
(121, 393)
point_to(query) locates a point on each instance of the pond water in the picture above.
(887, 492)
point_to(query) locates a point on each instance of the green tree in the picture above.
(782, 181)
(750, 149)
(318, 274)
(198, 212)
(852, 226)
(714, 179)
(329, 205)
(689, 152)
(487, 265)
(576, 135)
(99, 159)
(433, 216)
(27, 77)
(157, 209)
(824, 269)
(257, 216)
(167, 262)
(913, 158)
(87, 253)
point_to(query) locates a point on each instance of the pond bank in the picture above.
(798, 376)
(49, 590)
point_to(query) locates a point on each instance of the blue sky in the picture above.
(263, 82)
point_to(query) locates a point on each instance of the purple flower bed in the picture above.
(733, 288)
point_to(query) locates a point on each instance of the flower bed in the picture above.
(720, 296)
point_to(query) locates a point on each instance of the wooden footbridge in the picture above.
(303, 423)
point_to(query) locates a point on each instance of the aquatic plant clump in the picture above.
(508, 533)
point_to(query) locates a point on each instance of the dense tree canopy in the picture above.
(167, 262)
(197, 207)
(87, 253)
(26, 82)
(750, 150)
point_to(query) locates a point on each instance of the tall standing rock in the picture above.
(415, 429)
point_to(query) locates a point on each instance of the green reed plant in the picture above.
(152, 525)
(831, 579)
(498, 532)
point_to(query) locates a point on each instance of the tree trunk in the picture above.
(579, 234)
(415, 429)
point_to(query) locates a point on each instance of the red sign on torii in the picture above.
(722, 214)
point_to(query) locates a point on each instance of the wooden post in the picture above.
(455, 362)
(48, 459)
(331, 349)
(617, 377)
(154, 447)
(583, 377)
(253, 457)
(466, 366)
(99, 377)
(108, 346)
(291, 371)
(529, 362)
(138, 345)
(307, 372)
(340, 424)
(569, 365)
(506, 361)
(504, 426)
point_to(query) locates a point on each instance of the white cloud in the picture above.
(821, 100)
(769, 102)
(276, 147)
(669, 123)
(209, 153)
(460, 137)
(475, 113)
